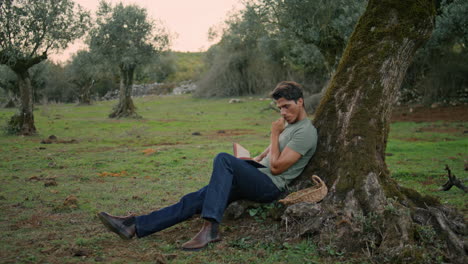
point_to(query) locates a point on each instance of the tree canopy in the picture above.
(125, 35)
(32, 29)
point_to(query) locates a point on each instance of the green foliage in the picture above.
(125, 36)
(439, 72)
(158, 70)
(56, 86)
(273, 40)
(89, 75)
(32, 28)
(189, 66)
(239, 63)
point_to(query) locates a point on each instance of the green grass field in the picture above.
(50, 193)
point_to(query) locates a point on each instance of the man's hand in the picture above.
(277, 126)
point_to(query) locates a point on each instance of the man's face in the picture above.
(289, 109)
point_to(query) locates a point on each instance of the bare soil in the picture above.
(427, 114)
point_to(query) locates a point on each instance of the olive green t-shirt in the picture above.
(300, 137)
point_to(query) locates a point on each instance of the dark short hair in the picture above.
(288, 90)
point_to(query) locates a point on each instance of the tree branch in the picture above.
(452, 181)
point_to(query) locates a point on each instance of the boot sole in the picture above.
(110, 226)
(200, 248)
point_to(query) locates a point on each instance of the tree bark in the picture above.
(125, 107)
(85, 93)
(23, 122)
(365, 209)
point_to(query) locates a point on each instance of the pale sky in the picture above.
(188, 20)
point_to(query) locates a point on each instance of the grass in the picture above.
(50, 193)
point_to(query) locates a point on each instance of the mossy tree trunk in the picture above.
(22, 123)
(125, 107)
(365, 209)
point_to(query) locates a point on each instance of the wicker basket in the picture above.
(313, 194)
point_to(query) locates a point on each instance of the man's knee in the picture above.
(223, 157)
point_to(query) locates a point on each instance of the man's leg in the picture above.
(233, 179)
(158, 220)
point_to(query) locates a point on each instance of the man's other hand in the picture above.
(277, 126)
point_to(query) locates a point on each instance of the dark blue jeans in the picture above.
(232, 179)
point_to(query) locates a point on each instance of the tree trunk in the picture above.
(125, 107)
(23, 122)
(85, 93)
(365, 210)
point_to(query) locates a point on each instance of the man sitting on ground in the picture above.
(292, 143)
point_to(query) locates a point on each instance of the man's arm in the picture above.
(280, 161)
(263, 155)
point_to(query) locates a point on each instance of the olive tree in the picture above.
(29, 31)
(365, 209)
(126, 38)
(83, 72)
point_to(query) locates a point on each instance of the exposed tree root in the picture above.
(19, 125)
(125, 109)
(396, 234)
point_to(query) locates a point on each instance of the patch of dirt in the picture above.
(413, 139)
(231, 132)
(427, 114)
(53, 139)
(164, 144)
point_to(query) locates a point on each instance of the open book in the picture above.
(242, 153)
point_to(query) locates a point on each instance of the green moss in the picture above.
(374, 40)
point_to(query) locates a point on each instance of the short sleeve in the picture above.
(303, 139)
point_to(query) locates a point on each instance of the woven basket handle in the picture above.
(317, 180)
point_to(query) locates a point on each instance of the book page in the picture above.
(240, 152)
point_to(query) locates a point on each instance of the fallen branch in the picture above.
(452, 181)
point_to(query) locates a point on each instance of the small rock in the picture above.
(235, 101)
(196, 134)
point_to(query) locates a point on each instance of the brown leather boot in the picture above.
(122, 226)
(208, 234)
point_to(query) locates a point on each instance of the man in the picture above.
(292, 143)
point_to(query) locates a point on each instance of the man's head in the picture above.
(290, 100)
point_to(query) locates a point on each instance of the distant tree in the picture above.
(272, 40)
(29, 31)
(247, 59)
(83, 71)
(440, 72)
(53, 79)
(127, 38)
(9, 85)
